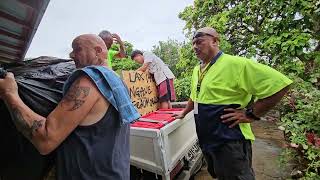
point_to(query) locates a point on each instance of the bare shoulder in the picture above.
(71, 111)
(81, 89)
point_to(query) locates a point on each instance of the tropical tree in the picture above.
(276, 32)
(168, 51)
(125, 63)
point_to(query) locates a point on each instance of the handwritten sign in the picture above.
(142, 90)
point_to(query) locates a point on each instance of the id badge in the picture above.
(195, 108)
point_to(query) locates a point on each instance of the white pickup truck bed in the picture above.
(160, 150)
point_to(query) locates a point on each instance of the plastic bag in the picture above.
(40, 83)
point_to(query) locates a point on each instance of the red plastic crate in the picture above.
(164, 116)
(158, 116)
(173, 110)
(149, 125)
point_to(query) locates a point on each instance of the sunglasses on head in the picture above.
(200, 34)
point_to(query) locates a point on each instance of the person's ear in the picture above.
(142, 57)
(98, 50)
(215, 41)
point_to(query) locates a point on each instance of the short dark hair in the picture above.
(136, 52)
(103, 34)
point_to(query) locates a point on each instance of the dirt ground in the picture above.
(266, 150)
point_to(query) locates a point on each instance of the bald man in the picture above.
(89, 128)
(222, 88)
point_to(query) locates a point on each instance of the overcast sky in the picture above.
(141, 22)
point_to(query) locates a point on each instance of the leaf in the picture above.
(270, 30)
(304, 146)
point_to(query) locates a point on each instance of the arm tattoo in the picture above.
(75, 96)
(22, 124)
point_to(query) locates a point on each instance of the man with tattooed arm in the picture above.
(89, 128)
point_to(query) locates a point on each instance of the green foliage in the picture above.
(300, 115)
(187, 60)
(128, 47)
(181, 61)
(168, 51)
(182, 88)
(287, 158)
(272, 31)
(124, 63)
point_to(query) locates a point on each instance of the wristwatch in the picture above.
(249, 114)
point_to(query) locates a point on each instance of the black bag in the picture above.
(40, 83)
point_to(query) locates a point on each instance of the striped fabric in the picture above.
(166, 91)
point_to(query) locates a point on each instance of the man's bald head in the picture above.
(91, 39)
(205, 43)
(88, 49)
(206, 31)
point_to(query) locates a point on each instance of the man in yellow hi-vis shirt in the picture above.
(109, 39)
(222, 87)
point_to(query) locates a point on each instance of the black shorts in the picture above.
(231, 161)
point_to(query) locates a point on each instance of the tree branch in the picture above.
(317, 48)
(246, 27)
(302, 58)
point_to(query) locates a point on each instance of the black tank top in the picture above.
(96, 152)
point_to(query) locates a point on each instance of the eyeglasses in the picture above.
(200, 34)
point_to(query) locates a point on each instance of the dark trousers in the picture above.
(231, 161)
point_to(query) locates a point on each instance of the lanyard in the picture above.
(206, 69)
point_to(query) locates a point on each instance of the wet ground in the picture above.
(266, 151)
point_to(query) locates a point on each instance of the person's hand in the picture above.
(8, 86)
(178, 116)
(117, 38)
(235, 115)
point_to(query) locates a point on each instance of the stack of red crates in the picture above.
(160, 118)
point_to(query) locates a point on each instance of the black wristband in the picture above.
(249, 114)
